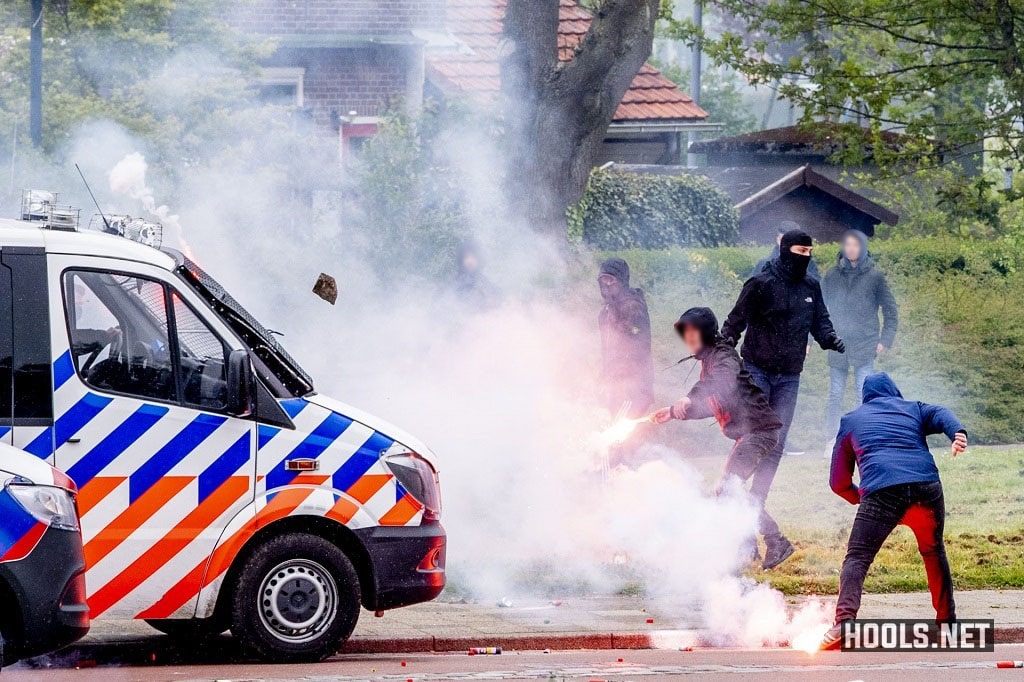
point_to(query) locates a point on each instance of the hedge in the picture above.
(629, 211)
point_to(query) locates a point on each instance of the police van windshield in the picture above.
(278, 370)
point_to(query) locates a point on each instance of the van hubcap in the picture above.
(298, 600)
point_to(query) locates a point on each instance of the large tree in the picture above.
(945, 71)
(557, 112)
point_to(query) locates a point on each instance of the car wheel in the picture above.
(189, 628)
(296, 599)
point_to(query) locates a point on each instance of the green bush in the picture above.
(629, 211)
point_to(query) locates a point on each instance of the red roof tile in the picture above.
(474, 67)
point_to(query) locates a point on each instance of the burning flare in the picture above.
(620, 430)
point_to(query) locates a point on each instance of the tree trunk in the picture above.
(557, 113)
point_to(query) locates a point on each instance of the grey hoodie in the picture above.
(854, 294)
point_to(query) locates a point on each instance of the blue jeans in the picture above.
(837, 388)
(781, 390)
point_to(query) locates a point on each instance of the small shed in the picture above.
(822, 206)
(766, 195)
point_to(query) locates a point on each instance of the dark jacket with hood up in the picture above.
(886, 439)
(725, 389)
(854, 294)
(627, 363)
(777, 314)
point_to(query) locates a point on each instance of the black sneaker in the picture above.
(832, 639)
(776, 551)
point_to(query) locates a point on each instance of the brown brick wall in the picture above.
(339, 81)
(357, 17)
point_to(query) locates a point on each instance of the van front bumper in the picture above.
(49, 585)
(408, 564)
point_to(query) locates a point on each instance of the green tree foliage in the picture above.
(946, 71)
(167, 70)
(410, 203)
(630, 211)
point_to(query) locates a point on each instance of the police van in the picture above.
(42, 570)
(217, 489)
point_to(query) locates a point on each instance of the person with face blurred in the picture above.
(727, 392)
(471, 285)
(778, 309)
(855, 291)
(627, 367)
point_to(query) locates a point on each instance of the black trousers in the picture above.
(921, 507)
(747, 455)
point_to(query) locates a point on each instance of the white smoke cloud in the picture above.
(507, 397)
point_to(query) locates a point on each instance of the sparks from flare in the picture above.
(621, 430)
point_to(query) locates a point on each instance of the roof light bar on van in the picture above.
(138, 230)
(40, 206)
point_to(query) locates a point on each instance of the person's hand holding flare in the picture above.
(676, 411)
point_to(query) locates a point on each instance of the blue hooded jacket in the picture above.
(886, 439)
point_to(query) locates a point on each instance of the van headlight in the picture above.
(53, 506)
(419, 479)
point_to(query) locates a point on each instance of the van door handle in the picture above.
(74, 440)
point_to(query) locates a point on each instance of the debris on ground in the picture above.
(326, 287)
(504, 603)
(485, 651)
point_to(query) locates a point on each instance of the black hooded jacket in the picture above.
(854, 294)
(777, 314)
(725, 389)
(627, 363)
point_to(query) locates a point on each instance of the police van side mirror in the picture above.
(241, 384)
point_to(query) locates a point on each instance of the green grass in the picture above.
(984, 491)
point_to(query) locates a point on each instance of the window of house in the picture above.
(281, 86)
(137, 337)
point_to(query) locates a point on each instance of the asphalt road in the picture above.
(702, 664)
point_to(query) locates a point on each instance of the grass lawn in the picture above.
(984, 526)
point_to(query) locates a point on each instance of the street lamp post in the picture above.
(35, 116)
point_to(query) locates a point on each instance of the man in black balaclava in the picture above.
(627, 366)
(784, 227)
(777, 309)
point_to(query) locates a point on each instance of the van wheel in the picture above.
(189, 628)
(296, 599)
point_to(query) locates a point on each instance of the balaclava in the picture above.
(794, 264)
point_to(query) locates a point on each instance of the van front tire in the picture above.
(296, 599)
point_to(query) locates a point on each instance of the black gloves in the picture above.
(836, 343)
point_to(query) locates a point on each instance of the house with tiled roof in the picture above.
(649, 125)
(344, 62)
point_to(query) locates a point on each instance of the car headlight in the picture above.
(53, 506)
(419, 479)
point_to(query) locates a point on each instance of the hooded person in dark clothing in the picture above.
(885, 439)
(778, 309)
(784, 227)
(471, 285)
(726, 392)
(627, 364)
(854, 291)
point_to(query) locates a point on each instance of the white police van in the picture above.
(217, 489)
